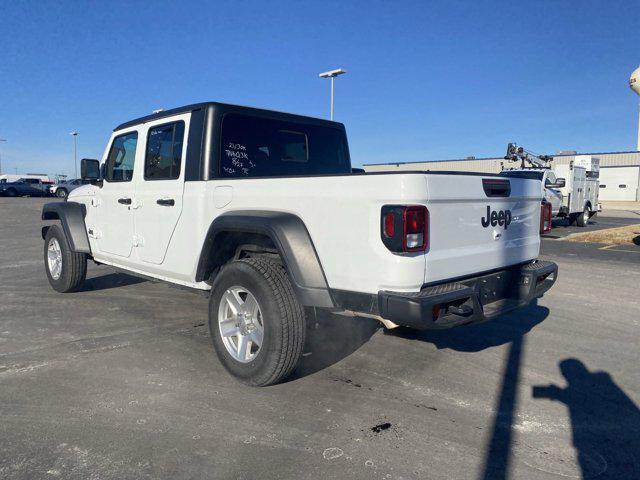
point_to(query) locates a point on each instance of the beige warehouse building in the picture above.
(619, 171)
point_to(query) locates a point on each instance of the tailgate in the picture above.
(479, 223)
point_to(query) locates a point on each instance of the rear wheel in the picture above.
(66, 270)
(61, 193)
(583, 218)
(256, 323)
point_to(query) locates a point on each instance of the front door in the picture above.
(114, 200)
(159, 187)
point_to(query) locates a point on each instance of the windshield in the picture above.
(533, 174)
(263, 147)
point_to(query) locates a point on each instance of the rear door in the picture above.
(477, 224)
(159, 187)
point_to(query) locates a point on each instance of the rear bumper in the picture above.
(469, 300)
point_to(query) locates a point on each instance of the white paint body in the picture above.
(550, 194)
(341, 213)
(579, 191)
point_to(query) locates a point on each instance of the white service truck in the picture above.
(572, 190)
(262, 210)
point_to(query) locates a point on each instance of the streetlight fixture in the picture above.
(74, 134)
(332, 74)
(1, 140)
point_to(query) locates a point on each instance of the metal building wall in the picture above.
(493, 165)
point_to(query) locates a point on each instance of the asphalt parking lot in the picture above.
(611, 219)
(120, 381)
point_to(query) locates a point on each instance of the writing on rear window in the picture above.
(238, 158)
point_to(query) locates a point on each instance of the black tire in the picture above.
(12, 192)
(282, 316)
(61, 193)
(583, 218)
(74, 265)
(572, 219)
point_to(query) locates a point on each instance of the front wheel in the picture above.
(256, 323)
(66, 270)
(61, 193)
(583, 218)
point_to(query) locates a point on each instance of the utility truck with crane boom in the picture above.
(570, 191)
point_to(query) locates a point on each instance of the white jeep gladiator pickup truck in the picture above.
(263, 210)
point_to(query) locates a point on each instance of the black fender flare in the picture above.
(292, 240)
(71, 216)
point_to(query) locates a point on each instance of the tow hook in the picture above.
(462, 310)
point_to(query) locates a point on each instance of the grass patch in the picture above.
(627, 235)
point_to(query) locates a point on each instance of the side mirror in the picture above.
(90, 169)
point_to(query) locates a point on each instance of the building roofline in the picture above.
(492, 158)
(434, 161)
(595, 153)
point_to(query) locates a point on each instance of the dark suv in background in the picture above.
(32, 187)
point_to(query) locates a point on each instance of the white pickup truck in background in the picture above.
(263, 210)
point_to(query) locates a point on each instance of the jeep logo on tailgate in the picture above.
(493, 218)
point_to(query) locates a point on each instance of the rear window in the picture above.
(261, 147)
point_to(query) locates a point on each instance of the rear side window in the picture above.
(262, 147)
(122, 157)
(164, 152)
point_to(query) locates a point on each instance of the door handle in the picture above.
(166, 202)
(124, 201)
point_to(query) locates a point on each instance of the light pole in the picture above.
(74, 134)
(332, 74)
(1, 140)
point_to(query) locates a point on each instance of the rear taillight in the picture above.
(545, 217)
(405, 228)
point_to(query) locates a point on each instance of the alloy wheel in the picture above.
(241, 324)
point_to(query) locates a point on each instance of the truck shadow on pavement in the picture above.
(110, 280)
(474, 338)
(331, 338)
(605, 422)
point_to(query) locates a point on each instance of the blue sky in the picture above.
(426, 80)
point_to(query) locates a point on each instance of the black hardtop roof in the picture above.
(226, 107)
